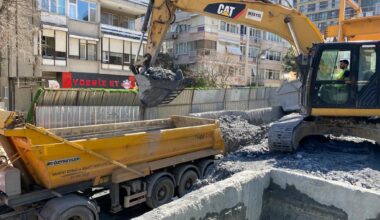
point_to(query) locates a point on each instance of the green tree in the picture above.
(289, 62)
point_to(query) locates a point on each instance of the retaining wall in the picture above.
(273, 194)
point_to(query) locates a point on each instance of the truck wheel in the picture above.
(77, 213)
(208, 170)
(162, 192)
(187, 181)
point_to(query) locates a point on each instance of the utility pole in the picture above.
(246, 69)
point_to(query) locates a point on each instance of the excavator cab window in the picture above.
(367, 84)
(333, 80)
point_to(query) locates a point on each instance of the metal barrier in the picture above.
(59, 109)
(71, 116)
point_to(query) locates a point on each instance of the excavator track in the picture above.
(286, 134)
(281, 133)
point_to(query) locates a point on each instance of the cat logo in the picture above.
(230, 10)
(226, 10)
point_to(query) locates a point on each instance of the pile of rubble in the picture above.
(344, 159)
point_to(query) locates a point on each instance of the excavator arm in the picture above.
(285, 22)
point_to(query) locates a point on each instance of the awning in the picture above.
(83, 37)
(234, 50)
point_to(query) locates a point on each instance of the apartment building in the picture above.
(72, 44)
(322, 12)
(239, 54)
(326, 12)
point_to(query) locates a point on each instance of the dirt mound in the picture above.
(237, 132)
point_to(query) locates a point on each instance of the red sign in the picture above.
(89, 80)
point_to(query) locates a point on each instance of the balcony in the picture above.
(121, 32)
(53, 19)
(131, 7)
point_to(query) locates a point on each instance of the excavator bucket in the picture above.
(154, 92)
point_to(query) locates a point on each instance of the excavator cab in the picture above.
(341, 96)
(345, 76)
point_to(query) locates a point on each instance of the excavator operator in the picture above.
(344, 72)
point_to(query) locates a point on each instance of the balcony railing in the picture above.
(120, 31)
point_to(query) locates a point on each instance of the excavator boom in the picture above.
(285, 22)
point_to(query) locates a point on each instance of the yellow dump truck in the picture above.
(53, 173)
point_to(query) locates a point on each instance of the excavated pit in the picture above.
(328, 178)
(274, 194)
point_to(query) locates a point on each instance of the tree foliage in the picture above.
(289, 61)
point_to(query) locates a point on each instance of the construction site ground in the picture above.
(346, 160)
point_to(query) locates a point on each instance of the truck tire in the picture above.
(208, 170)
(69, 207)
(205, 167)
(162, 192)
(186, 183)
(77, 213)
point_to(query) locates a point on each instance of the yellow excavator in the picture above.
(340, 80)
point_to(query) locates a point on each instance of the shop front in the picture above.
(68, 80)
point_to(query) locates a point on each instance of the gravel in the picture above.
(159, 73)
(238, 132)
(345, 159)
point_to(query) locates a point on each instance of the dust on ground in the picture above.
(345, 159)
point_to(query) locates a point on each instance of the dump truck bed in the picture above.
(122, 151)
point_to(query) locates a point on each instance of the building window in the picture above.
(273, 55)
(310, 7)
(53, 6)
(272, 37)
(302, 9)
(232, 28)
(48, 47)
(82, 10)
(91, 51)
(323, 5)
(116, 58)
(119, 52)
(106, 18)
(92, 12)
(74, 48)
(253, 52)
(269, 74)
(73, 9)
(183, 28)
(83, 50)
(127, 59)
(53, 44)
(110, 19)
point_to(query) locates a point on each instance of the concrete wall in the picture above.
(256, 116)
(272, 195)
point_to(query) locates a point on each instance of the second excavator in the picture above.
(340, 80)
